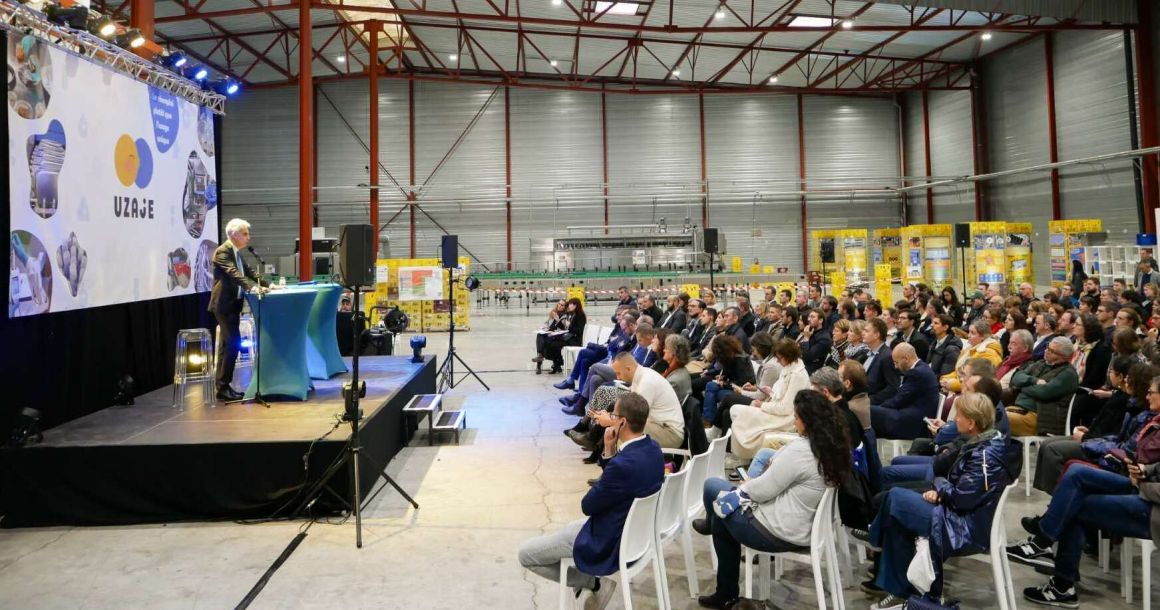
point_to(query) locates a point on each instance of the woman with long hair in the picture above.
(551, 325)
(734, 368)
(775, 511)
(1078, 277)
(569, 331)
(950, 300)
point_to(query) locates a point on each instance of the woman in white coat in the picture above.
(752, 421)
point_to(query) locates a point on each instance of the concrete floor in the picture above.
(513, 476)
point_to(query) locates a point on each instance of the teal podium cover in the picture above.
(297, 340)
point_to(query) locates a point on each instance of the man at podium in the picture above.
(232, 277)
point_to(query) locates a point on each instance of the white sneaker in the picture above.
(599, 600)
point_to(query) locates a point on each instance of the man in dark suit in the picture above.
(746, 317)
(648, 307)
(674, 319)
(1045, 327)
(900, 417)
(881, 376)
(732, 325)
(707, 329)
(626, 302)
(816, 341)
(633, 468)
(231, 278)
(907, 323)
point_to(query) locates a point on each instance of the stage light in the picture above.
(247, 343)
(103, 26)
(199, 73)
(471, 283)
(27, 429)
(76, 17)
(174, 61)
(396, 321)
(986, 36)
(225, 86)
(130, 39)
(125, 391)
(418, 342)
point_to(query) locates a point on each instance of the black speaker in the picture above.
(356, 255)
(827, 247)
(962, 235)
(450, 251)
(710, 241)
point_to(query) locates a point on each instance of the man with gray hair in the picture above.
(1045, 388)
(1045, 326)
(231, 279)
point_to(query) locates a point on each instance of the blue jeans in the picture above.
(1092, 498)
(903, 516)
(586, 358)
(728, 536)
(907, 468)
(709, 404)
(761, 462)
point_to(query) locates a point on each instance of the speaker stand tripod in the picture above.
(446, 373)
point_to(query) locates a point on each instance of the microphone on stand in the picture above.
(256, 255)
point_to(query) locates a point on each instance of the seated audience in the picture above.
(568, 329)
(1087, 499)
(703, 334)
(816, 340)
(666, 421)
(840, 333)
(1045, 331)
(676, 356)
(1045, 389)
(674, 317)
(732, 368)
(622, 338)
(973, 371)
(751, 421)
(956, 515)
(901, 416)
(881, 377)
(1117, 423)
(633, 468)
(857, 350)
(783, 499)
(1091, 358)
(979, 345)
(854, 380)
(1020, 358)
(768, 371)
(945, 345)
(601, 373)
(907, 322)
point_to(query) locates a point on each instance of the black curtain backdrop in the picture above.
(67, 364)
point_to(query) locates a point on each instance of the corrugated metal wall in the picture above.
(952, 154)
(752, 156)
(1091, 105)
(915, 162)
(851, 144)
(1015, 89)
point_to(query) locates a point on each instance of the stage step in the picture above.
(429, 406)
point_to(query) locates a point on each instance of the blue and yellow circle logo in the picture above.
(133, 161)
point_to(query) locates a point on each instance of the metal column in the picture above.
(373, 83)
(305, 142)
(1052, 141)
(926, 155)
(1146, 75)
(802, 177)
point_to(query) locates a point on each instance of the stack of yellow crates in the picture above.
(425, 315)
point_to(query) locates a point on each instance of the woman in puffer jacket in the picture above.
(955, 515)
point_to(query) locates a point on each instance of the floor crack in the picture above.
(38, 549)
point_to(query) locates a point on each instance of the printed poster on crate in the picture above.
(420, 283)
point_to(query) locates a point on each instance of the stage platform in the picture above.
(150, 463)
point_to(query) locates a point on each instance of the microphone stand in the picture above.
(257, 344)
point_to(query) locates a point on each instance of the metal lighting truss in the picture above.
(23, 19)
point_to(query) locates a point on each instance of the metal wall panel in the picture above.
(654, 158)
(915, 159)
(852, 143)
(260, 159)
(1015, 90)
(752, 159)
(464, 193)
(1091, 100)
(557, 164)
(951, 151)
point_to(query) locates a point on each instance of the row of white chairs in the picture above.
(592, 334)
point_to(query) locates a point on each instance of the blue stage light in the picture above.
(247, 343)
(225, 86)
(199, 73)
(174, 60)
(418, 342)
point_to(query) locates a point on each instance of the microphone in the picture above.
(256, 255)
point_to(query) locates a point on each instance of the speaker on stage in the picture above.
(963, 235)
(711, 246)
(450, 251)
(356, 255)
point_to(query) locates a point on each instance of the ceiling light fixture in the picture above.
(676, 72)
(453, 57)
(720, 13)
(773, 79)
(340, 59)
(847, 24)
(986, 36)
(557, 2)
(553, 63)
(805, 21)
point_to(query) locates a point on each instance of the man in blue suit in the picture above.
(900, 417)
(881, 376)
(633, 468)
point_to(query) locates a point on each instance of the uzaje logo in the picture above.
(133, 162)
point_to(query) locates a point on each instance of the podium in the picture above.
(296, 338)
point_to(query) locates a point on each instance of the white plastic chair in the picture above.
(997, 555)
(1028, 441)
(671, 515)
(1146, 549)
(591, 334)
(637, 551)
(821, 547)
(716, 468)
(698, 472)
(603, 334)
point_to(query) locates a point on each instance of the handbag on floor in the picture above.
(921, 602)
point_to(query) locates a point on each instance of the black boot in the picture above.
(540, 366)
